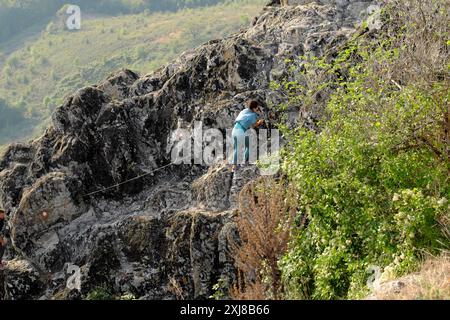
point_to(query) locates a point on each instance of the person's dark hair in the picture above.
(253, 105)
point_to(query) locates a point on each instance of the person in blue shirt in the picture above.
(248, 118)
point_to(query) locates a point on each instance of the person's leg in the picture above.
(238, 147)
(235, 150)
(247, 149)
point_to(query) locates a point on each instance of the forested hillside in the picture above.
(16, 15)
(40, 67)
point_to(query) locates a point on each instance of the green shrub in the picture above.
(374, 178)
(141, 52)
(12, 62)
(99, 293)
(47, 101)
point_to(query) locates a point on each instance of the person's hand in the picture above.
(259, 123)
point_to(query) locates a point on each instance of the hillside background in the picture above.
(41, 61)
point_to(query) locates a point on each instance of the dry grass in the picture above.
(176, 289)
(432, 282)
(266, 212)
(423, 61)
(424, 51)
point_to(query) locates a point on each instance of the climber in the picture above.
(248, 118)
(3, 240)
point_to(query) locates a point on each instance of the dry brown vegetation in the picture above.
(432, 282)
(267, 209)
(425, 28)
(424, 58)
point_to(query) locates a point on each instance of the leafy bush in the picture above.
(374, 180)
(11, 116)
(99, 293)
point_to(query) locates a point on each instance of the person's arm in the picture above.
(258, 121)
(258, 124)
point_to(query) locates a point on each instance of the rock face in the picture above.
(20, 281)
(161, 234)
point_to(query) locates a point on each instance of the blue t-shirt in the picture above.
(247, 118)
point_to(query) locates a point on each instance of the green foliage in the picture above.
(102, 293)
(10, 115)
(220, 290)
(374, 180)
(128, 297)
(141, 52)
(12, 62)
(47, 101)
(13, 122)
(99, 293)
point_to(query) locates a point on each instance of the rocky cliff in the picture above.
(161, 234)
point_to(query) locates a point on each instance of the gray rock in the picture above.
(21, 280)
